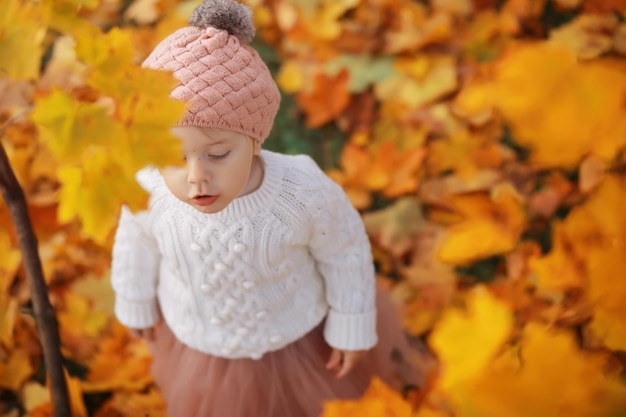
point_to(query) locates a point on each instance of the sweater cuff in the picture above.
(137, 314)
(351, 331)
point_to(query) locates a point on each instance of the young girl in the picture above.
(250, 273)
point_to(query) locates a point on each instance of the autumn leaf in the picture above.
(465, 154)
(121, 362)
(394, 227)
(589, 36)
(22, 30)
(467, 340)
(89, 194)
(148, 114)
(521, 381)
(109, 57)
(323, 21)
(490, 225)
(69, 126)
(561, 269)
(378, 400)
(421, 80)
(531, 75)
(326, 99)
(15, 370)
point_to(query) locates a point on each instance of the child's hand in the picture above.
(343, 361)
(146, 334)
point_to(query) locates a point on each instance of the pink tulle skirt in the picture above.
(290, 382)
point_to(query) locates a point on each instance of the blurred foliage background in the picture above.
(482, 141)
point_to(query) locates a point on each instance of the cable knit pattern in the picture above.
(256, 276)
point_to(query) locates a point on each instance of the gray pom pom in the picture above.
(228, 15)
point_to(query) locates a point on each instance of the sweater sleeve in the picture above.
(134, 272)
(342, 251)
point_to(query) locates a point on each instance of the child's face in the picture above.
(218, 168)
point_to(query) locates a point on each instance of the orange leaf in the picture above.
(490, 226)
(327, 98)
(379, 400)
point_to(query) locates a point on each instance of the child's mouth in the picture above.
(204, 200)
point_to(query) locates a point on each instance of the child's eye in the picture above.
(219, 156)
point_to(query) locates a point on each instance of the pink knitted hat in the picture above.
(222, 79)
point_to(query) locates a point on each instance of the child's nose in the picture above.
(197, 171)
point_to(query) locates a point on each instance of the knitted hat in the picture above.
(223, 80)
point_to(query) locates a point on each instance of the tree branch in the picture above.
(44, 312)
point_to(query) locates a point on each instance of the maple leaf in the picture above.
(148, 114)
(394, 227)
(490, 225)
(15, 370)
(421, 80)
(475, 102)
(121, 363)
(68, 126)
(326, 99)
(521, 381)
(364, 70)
(89, 194)
(531, 75)
(378, 400)
(324, 23)
(109, 57)
(561, 269)
(465, 154)
(22, 30)
(467, 340)
(383, 168)
(589, 36)
(35, 395)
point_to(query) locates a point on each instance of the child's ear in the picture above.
(257, 147)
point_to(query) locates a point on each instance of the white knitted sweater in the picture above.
(254, 277)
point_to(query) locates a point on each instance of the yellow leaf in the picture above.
(561, 269)
(34, 395)
(325, 22)
(466, 341)
(110, 58)
(489, 226)
(416, 89)
(291, 77)
(89, 194)
(79, 318)
(15, 370)
(522, 381)
(68, 126)
(529, 76)
(465, 154)
(148, 114)
(475, 102)
(22, 30)
(394, 227)
(588, 35)
(121, 363)
(379, 400)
